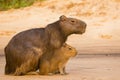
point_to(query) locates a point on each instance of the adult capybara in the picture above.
(58, 60)
(26, 48)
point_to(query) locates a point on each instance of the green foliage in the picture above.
(8, 4)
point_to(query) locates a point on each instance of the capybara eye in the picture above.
(70, 48)
(72, 21)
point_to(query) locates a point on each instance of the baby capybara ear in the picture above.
(65, 44)
(63, 18)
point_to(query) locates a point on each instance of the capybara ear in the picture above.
(63, 18)
(65, 44)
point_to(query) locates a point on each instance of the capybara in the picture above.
(58, 61)
(26, 48)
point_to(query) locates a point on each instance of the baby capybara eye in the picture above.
(70, 48)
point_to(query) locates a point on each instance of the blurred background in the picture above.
(102, 17)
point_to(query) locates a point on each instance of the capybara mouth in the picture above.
(81, 31)
(75, 54)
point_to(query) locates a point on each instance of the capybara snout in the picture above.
(83, 26)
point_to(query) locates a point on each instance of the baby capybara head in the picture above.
(72, 25)
(68, 51)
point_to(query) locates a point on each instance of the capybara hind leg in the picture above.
(20, 71)
(30, 65)
(23, 69)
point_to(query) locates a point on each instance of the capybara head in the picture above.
(68, 51)
(72, 25)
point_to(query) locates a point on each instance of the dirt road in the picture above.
(83, 67)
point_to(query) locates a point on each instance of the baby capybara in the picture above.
(58, 61)
(25, 49)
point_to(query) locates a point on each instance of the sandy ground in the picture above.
(83, 67)
(102, 36)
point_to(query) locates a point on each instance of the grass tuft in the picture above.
(8, 4)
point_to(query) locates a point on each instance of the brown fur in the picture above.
(26, 48)
(58, 60)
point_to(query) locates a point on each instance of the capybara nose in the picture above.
(75, 53)
(85, 25)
